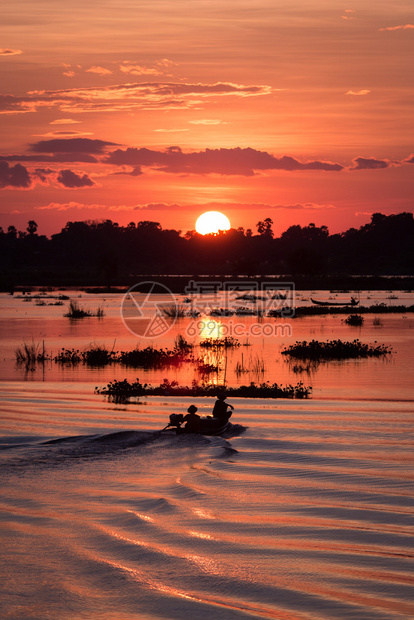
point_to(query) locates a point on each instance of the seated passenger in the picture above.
(192, 420)
(220, 409)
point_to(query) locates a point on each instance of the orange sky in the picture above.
(298, 111)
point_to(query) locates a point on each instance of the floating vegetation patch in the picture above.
(95, 356)
(334, 350)
(137, 358)
(122, 391)
(220, 343)
(299, 311)
(354, 319)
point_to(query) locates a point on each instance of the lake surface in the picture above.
(304, 510)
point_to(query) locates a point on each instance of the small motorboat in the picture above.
(353, 302)
(208, 425)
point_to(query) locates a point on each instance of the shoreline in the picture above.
(178, 283)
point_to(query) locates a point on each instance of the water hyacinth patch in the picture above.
(334, 350)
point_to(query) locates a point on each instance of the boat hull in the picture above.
(335, 303)
(208, 426)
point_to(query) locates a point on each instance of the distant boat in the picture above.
(352, 302)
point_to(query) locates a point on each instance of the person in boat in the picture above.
(221, 408)
(192, 420)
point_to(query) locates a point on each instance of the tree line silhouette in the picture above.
(103, 252)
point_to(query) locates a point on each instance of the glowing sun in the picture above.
(212, 222)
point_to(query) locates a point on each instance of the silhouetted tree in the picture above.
(32, 227)
(265, 227)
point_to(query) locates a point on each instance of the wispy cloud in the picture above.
(66, 206)
(10, 52)
(65, 121)
(99, 70)
(128, 97)
(402, 27)
(170, 130)
(357, 93)
(135, 69)
(64, 134)
(208, 121)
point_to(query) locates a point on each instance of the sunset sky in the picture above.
(160, 110)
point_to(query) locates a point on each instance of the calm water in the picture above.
(303, 511)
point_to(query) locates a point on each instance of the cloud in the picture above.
(170, 130)
(369, 163)
(228, 206)
(402, 27)
(207, 121)
(127, 97)
(70, 179)
(57, 158)
(358, 92)
(72, 145)
(99, 71)
(409, 160)
(235, 161)
(65, 121)
(9, 52)
(66, 133)
(56, 206)
(13, 176)
(135, 69)
(42, 174)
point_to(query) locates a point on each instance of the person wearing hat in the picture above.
(221, 408)
(192, 420)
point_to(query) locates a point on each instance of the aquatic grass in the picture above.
(334, 350)
(31, 353)
(173, 311)
(77, 312)
(122, 391)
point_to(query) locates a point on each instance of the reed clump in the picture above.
(75, 311)
(31, 353)
(334, 350)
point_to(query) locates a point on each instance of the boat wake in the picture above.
(80, 448)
